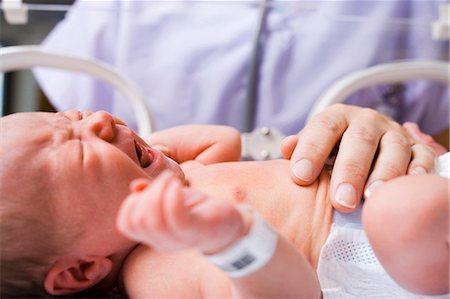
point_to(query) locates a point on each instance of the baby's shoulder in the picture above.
(186, 274)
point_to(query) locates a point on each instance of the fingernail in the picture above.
(303, 170)
(346, 195)
(419, 170)
(369, 190)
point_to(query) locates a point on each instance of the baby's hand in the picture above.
(166, 215)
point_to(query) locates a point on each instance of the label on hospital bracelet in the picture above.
(250, 253)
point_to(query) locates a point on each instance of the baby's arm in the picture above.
(205, 144)
(406, 221)
(168, 217)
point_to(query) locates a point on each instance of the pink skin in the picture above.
(112, 156)
(417, 207)
(93, 158)
(414, 130)
(373, 149)
(406, 221)
(168, 216)
(403, 150)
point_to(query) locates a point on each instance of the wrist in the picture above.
(250, 252)
(245, 218)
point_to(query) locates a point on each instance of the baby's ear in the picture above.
(71, 275)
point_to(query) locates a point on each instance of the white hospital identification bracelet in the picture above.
(250, 253)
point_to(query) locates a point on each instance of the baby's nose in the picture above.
(102, 124)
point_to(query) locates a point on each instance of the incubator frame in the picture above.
(25, 57)
(261, 143)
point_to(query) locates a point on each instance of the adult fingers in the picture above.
(315, 143)
(414, 131)
(424, 151)
(420, 137)
(288, 145)
(423, 159)
(393, 158)
(357, 150)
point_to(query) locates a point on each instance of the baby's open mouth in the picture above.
(144, 158)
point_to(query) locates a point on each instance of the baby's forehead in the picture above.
(28, 120)
(24, 136)
(27, 133)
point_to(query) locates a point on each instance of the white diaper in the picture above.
(348, 267)
(443, 165)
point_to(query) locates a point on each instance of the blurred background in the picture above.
(221, 62)
(19, 90)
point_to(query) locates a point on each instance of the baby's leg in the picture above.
(407, 224)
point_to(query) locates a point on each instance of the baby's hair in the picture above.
(30, 238)
(27, 245)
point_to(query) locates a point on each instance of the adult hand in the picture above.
(372, 150)
(419, 136)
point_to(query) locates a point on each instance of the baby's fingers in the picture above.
(205, 223)
(141, 217)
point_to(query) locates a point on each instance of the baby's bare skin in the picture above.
(303, 215)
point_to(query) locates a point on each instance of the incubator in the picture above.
(272, 67)
(252, 96)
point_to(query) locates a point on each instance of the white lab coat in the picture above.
(191, 58)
